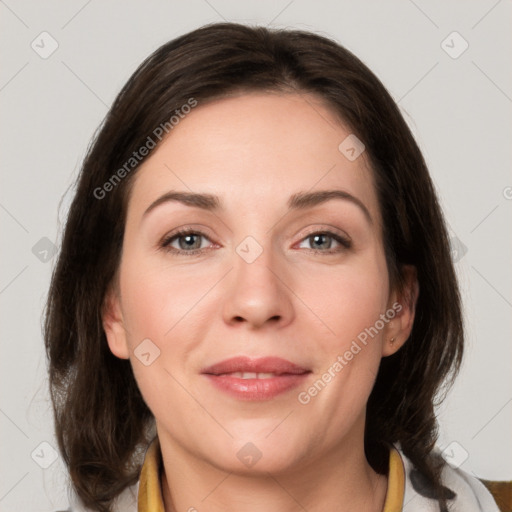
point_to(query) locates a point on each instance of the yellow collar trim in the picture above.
(150, 490)
(396, 483)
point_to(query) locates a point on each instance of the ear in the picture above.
(404, 306)
(112, 319)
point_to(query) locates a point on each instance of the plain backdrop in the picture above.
(447, 64)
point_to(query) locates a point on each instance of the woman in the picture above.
(254, 303)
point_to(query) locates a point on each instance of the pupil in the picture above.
(189, 240)
(319, 238)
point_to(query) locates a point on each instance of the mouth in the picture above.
(257, 379)
(251, 375)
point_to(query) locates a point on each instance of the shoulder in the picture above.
(466, 492)
(125, 502)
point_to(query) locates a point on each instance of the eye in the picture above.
(188, 241)
(322, 241)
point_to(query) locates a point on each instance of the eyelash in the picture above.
(165, 243)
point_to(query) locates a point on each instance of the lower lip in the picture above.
(257, 389)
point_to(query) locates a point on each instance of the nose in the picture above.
(259, 292)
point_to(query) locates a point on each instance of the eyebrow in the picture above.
(298, 201)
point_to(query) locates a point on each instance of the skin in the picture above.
(294, 301)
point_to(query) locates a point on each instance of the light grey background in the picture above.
(459, 109)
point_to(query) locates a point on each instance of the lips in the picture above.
(255, 379)
(264, 365)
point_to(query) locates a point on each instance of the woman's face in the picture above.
(271, 268)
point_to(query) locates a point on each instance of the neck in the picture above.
(340, 480)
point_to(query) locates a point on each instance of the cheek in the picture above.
(163, 305)
(349, 303)
(348, 350)
(158, 300)
(346, 300)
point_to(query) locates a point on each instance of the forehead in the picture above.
(255, 150)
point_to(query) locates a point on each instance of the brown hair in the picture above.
(102, 422)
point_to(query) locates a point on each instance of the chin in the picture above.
(258, 454)
(249, 460)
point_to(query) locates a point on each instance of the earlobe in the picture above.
(112, 319)
(399, 329)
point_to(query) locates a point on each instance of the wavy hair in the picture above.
(102, 422)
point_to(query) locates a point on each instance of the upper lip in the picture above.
(275, 365)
